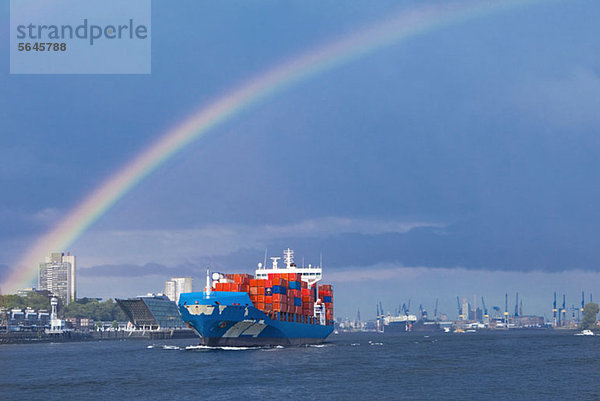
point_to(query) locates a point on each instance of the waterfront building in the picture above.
(177, 286)
(153, 312)
(465, 309)
(57, 275)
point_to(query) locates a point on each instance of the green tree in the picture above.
(92, 309)
(31, 300)
(589, 316)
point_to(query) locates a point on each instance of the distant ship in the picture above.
(399, 324)
(277, 306)
(406, 323)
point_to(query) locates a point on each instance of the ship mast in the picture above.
(208, 283)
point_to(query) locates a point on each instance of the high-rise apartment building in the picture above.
(177, 286)
(57, 275)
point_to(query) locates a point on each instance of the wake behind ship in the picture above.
(280, 306)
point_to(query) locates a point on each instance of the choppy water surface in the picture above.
(546, 365)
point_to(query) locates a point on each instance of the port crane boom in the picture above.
(460, 315)
(485, 310)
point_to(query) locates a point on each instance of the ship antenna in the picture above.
(265, 264)
(208, 285)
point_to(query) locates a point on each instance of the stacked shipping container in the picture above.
(326, 295)
(283, 296)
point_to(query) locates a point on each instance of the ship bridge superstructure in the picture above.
(310, 274)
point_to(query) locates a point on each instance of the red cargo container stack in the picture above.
(256, 291)
(234, 283)
(326, 295)
(308, 302)
(282, 296)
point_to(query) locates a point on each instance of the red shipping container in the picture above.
(268, 307)
(304, 285)
(268, 299)
(279, 298)
(261, 298)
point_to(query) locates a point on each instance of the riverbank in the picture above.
(31, 337)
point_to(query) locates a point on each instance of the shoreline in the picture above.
(74, 336)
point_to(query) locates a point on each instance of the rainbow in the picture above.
(392, 31)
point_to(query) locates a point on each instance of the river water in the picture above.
(361, 366)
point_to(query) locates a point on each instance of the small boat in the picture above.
(585, 332)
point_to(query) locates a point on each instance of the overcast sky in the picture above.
(464, 161)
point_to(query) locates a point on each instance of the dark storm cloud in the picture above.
(132, 270)
(479, 244)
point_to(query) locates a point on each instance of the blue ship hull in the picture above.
(230, 319)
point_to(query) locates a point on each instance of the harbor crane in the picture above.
(496, 312)
(580, 313)
(485, 310)
(554, 310)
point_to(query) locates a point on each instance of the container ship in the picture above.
(276, 306)
(399, 324)
(405, 323)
